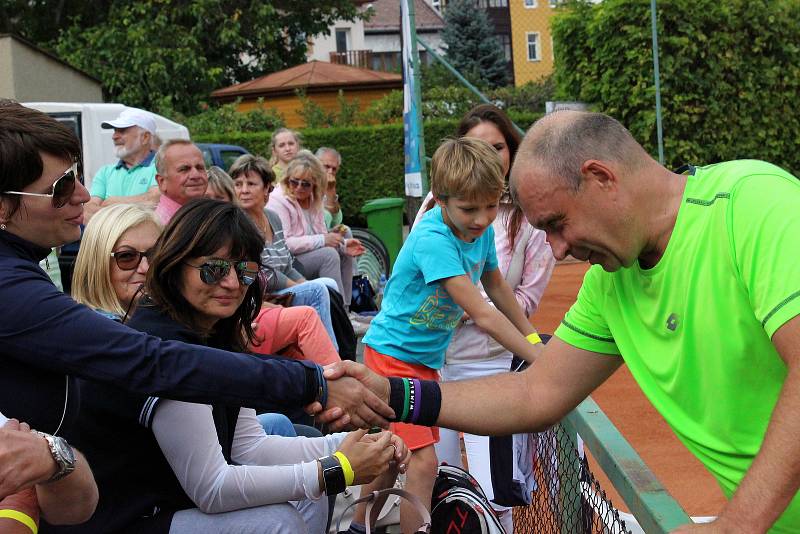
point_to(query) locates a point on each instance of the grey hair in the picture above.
(563, 141)
(162, 152)
(323, 149)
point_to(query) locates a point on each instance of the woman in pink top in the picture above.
(298, 202)
(526, 261)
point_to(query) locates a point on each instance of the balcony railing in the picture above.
(355, 58)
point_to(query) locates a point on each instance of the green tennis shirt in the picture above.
(695, 329)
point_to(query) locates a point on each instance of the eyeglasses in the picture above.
(129, 259)
(300, 183)
(214, 270)
(62, 188)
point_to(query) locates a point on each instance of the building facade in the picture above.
(532, 42)
(30, 74)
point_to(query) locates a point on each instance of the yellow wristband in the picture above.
(23, 518)
(347, 469)
(533, 339)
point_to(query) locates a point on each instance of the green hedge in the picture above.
(730, 74)
(372, 156)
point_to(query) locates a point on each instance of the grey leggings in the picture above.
(296, 517)
(329, 262)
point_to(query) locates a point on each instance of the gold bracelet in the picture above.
(22, 517)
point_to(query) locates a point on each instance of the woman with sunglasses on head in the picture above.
(210, 468)
(526, 261)
(49, 340)
(298, 203)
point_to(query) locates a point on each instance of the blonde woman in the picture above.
(220, 185)
(298, 203)
(112, 264)
(284, 145)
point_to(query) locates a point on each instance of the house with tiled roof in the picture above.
(375, 42)
(319, 80)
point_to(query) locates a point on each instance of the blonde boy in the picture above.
(433, 287)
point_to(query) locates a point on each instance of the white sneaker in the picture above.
(359, 327)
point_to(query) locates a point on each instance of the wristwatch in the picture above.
(332, 475)
(62, 453)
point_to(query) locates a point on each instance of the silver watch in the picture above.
(62, 453)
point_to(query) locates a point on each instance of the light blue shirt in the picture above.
(117, 180)
(418, 316)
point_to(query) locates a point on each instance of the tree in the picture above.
(472, 47)
(170, 54)
(730, 74)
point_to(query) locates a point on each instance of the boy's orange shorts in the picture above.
(415, 436)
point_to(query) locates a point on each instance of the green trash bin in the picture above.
(385, 219)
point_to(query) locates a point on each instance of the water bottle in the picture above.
(381, 285)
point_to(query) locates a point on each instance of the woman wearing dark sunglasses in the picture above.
(298, 203)
(112, 263)
(49, 339)
(208, 468)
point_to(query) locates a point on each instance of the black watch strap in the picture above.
(332, 475)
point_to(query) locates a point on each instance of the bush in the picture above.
(372, 156)
(225, 120)
(730, 74)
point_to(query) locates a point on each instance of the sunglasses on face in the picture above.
(300, 183)
(129, 259)
(214, 270)
(61, 190)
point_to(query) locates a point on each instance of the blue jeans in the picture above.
(314, 293)
(276, 424)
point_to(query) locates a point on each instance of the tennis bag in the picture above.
(459, 506)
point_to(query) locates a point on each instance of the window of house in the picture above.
(554, 3)
(505, 43)
(533, 46)
(530, 3)
(341, 41)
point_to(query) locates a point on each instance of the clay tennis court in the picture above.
(623, 402)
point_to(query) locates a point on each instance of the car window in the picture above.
(229, 156)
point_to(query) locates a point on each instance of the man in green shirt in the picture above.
(695, 285)
(133, 178)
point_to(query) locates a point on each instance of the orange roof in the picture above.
(313, 76)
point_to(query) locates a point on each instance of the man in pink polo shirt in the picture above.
(181, 176)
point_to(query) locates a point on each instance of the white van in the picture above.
(96, 143)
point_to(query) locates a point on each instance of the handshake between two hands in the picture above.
(357, 398)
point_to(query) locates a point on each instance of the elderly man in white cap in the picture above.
(133, 178)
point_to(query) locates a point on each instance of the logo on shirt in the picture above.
(672, 322)
(438, 312)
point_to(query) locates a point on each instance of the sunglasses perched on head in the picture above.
(300, 183)
(214, 270)
(129, 259)
(61, 190)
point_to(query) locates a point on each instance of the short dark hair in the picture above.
(25, 134)
(250, 163)
(199, 228)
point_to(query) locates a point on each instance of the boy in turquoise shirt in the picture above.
(433, 287)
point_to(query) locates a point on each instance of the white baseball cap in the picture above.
(132, 117)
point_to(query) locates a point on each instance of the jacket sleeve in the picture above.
(293, 228)
(42, 327)
(536, 273)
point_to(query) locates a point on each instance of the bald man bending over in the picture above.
(694, 284)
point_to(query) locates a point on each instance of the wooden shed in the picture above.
(321, 82)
